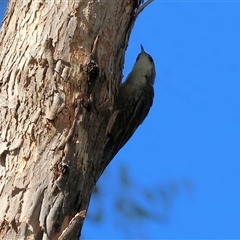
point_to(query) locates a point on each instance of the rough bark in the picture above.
(60, 67)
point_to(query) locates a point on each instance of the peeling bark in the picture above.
(60, 67)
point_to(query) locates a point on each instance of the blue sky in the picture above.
(192, 131)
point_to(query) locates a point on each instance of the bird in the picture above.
(133, 102)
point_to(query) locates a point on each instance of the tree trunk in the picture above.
(60, 67)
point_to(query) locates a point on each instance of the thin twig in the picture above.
(140, 9)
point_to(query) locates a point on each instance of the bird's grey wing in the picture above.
(141, 110)
(124, 121)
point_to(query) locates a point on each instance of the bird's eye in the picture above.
(150, 58)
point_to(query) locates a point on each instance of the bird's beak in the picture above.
(142, 49)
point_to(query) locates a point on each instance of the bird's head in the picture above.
(145, 65)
